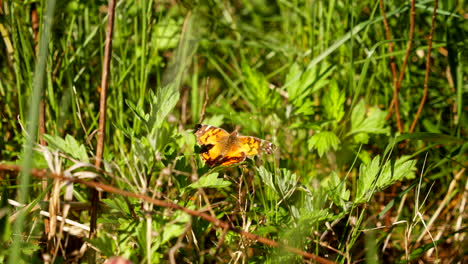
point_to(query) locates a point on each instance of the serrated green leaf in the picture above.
(287, 183)
(402, 168)
(210, 181)
(266, 177)
(374, 177)
(301, 84)
(323, 142)
(333, 102)
(367, 175)
(69, 146)
(163, 102)
(166, 34)
(306, 108)
(337, 191)
(255, 88)
(138, 111)
(362, 123)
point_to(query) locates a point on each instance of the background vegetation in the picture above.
(346, 182)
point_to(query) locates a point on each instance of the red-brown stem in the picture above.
(388, 36)
(102, 111)
(42, 129)
(405, 60)
(410, 42)
(42, 173)
(428, 68)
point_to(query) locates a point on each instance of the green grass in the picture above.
(312, 77)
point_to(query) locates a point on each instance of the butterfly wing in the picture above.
(235, 154)
(244, 147)
(218, 147)
(211, 139)
(249, 145)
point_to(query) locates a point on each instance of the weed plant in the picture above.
(312, 77)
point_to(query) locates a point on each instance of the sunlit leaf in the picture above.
(333, 102)
(323, 142)
(210, 181)
(69, 146)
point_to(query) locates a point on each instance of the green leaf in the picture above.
(256, 90)
(210, 181)
(105, 244)
(118, 205)
(69, 146)
(163, 102)
(358, 115)
(373, 177)
(214, 120)
(293, 79)
(138, 111)
(367, 175)
(166, 34)
(323, 142)
(403, 168)
(306, 108)
(287, 183)
(337, 191)
(362, 123)
(333, 102)
(266, 177)
(171, 231)
(301, 84)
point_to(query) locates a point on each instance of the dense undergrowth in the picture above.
(348, 181)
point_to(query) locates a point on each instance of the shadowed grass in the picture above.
(312, 77)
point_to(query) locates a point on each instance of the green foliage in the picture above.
(210, 181)
(365, 123)
(256, 90)
(301, 84)
(312, 77)
(337, 191)
(333, 103)
(376, 177)
(323, 142)
(69, 145)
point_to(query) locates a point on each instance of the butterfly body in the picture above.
(218, 147)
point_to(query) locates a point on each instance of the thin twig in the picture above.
(102, 111)
(42, 173)
(405, 60)
(409, 45)
(104, 84)
(428, 68)
(388, 36)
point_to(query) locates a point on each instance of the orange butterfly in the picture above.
(218, 147)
